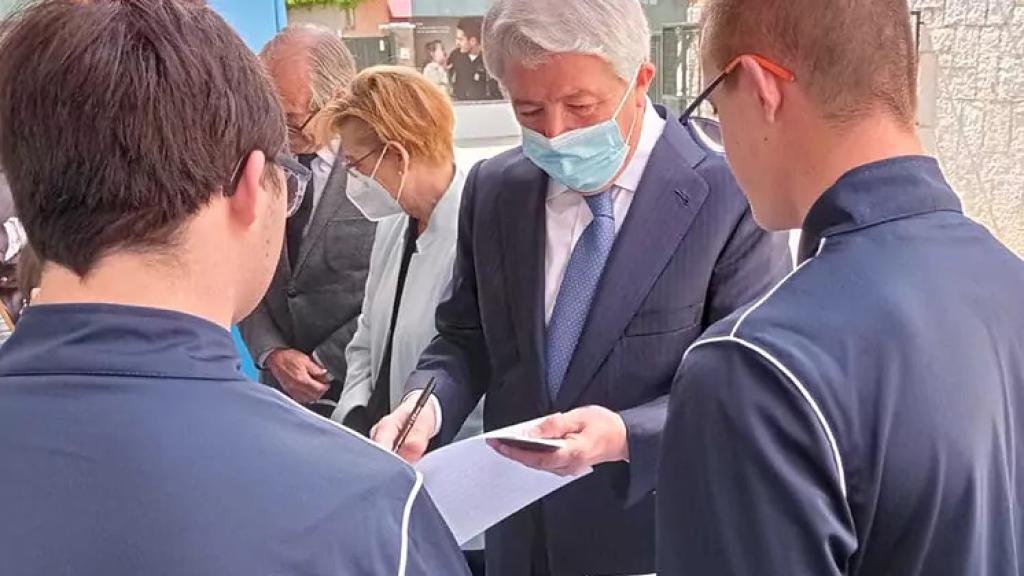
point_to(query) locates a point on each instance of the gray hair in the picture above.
(529, 32)
(331, 65)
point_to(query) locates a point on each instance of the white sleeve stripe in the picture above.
(829, 436)
(417, 484)
(404, 552)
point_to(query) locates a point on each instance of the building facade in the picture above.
(972, 105)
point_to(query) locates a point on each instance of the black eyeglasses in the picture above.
(302, 128)
(297, 179)
(729, 68)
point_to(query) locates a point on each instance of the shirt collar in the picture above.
(651, 128)
(108, 339)
(875, 193)
(327, 154)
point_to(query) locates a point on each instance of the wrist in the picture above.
(620, 448)
(270, 356)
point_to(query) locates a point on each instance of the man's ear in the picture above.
(767, 86)
(245, 202)
(645, 78)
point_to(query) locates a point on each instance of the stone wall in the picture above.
(972, 105)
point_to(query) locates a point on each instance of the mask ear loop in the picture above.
(380, 160)
(625, 98)
(404, 172)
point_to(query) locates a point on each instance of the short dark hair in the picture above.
(853, 56)
(121, 119)
(433, 45)
(472, 27)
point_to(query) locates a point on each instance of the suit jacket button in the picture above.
(292, 292)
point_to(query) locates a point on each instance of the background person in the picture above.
(299, 333)
(469, 77)
(12, 242)
(587, 263)
(132, 444)
(865, 418)
(436, 69)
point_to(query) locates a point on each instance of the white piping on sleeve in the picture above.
(417, 483)
(818, 414)
(802, 390)
(406, 514)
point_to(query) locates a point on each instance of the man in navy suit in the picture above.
(588, 261)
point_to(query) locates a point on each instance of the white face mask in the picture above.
(370, 197)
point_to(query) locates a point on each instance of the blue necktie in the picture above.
(577, 291)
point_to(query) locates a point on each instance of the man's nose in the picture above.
(554, 125)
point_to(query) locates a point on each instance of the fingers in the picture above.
(415, 445)
(559, 426)
(294, 391)
(386, 432)
(569, 461)
(302, 388)
(311, 366)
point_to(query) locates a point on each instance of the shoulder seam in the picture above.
(296, 406)
(801, 389)
(766, 297)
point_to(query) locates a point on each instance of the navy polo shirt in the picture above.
(867, 416)
(131, 444)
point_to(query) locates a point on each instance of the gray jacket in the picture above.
(315, 308)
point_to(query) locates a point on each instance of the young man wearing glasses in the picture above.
(142, 143)
(865, 416)
(299, 333)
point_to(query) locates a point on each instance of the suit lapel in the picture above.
(668, 199)
(522, 209)
(334, 203)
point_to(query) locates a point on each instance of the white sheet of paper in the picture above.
(474, 487)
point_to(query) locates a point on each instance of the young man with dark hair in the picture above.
(864, 417)
(470, 80)
(146, 152)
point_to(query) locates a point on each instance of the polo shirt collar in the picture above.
(114, 340)
(892, 189)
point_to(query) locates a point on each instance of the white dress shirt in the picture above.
(321, 168)
(568, 214)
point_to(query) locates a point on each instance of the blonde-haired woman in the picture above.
(397, 135)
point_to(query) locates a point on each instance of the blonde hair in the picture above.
(400, 105)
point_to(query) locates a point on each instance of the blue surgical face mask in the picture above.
(586, 159)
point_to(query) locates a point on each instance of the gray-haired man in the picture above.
(299, 333)
(588, 261)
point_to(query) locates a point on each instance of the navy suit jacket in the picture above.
(688, 254)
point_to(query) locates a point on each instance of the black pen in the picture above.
(420, 403)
